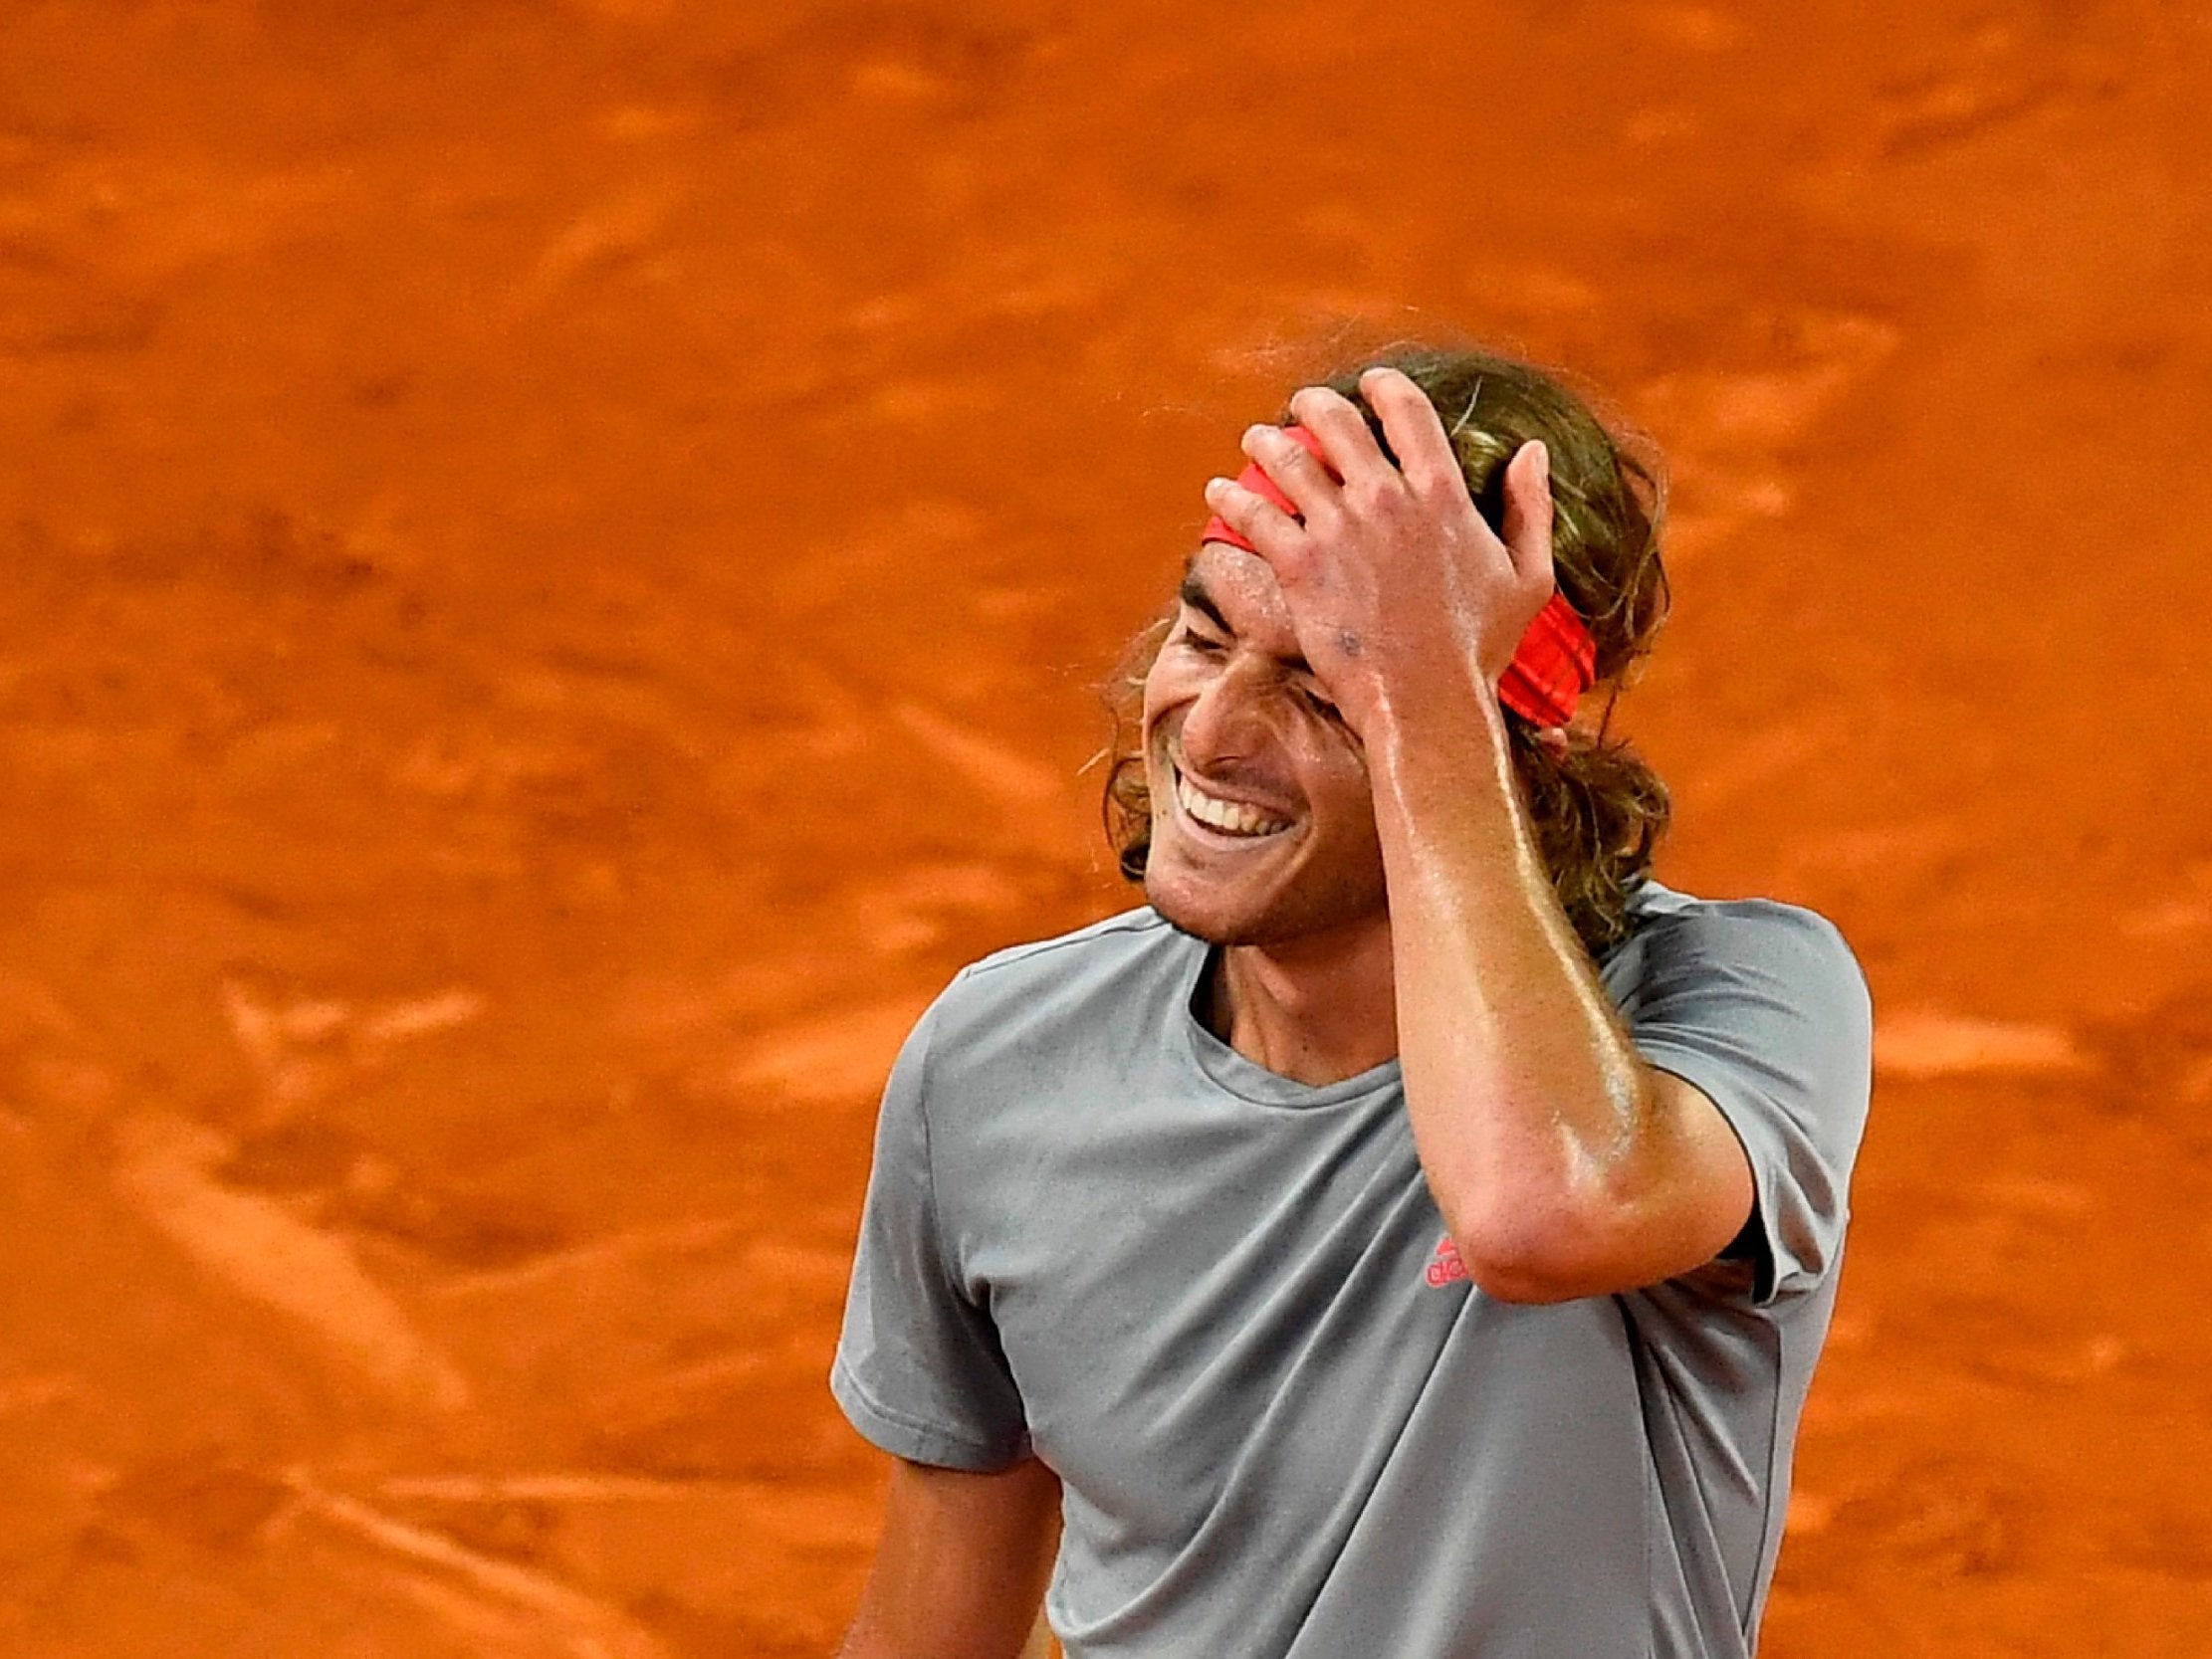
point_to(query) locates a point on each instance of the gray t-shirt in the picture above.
(1221, 1306)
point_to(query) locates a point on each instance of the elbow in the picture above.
(1533, 1254)
(1532, 1284)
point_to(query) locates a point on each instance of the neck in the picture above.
(1316, 1010)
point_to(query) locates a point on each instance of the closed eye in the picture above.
(1320, 705)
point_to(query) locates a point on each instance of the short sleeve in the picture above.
(1762, 1007)
(919, 1370)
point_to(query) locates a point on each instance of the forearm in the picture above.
(961, 1565)
(1536, 1123)
(874, 1642)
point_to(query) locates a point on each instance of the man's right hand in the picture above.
(962, 1565)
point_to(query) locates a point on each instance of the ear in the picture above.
(1552, 739)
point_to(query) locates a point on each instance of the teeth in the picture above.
(1229, 818)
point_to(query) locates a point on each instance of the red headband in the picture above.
(1556, 661)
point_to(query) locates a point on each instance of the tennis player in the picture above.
(1410, 1234)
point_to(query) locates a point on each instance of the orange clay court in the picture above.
(558, 561)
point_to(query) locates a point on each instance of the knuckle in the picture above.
(1369, 505)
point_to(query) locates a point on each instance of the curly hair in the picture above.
(1597, 809)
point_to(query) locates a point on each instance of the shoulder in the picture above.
(1677, 940)
(1127, 937)
(1126, 967)
(1655, 909)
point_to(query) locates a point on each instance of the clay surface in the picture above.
(556, 562)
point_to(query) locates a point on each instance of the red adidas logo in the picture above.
(1446, 1266)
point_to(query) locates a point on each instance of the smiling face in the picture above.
(1263, 824)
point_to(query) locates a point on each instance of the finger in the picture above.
(1346, 438)
(1293, 468)
(1527, 529)
(1417, 436)
(1276, 536)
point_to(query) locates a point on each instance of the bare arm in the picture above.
(1563, 1165)
(961, 1566)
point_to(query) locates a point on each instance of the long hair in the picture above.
(1597, 809)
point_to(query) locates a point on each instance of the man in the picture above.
(1410, 1236)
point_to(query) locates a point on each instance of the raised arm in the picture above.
(1563, 1165)
(961, 1566)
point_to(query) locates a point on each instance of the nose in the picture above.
(1226, 721)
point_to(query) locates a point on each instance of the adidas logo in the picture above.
(1446, 1266)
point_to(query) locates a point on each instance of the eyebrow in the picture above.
(1193, 593)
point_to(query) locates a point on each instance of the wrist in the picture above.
(1456, 731)
(1444, 774)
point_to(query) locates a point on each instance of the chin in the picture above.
(1200, 901)
(1214, 912)
(1212, 924)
